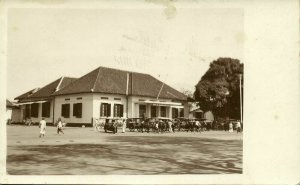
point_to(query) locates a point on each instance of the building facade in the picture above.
(103, 93)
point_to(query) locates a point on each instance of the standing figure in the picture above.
(170, 125)
(197, 125)
(124, 126)
(59, 126)
(230, 127)
(173, 126)
(238, 127)
(42, 127)
(156, 127)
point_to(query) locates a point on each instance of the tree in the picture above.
(218, 88)
(189, 94)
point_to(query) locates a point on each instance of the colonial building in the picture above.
(103, 93)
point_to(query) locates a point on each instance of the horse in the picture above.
(98, 124)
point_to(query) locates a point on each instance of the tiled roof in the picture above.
(113, 81)
(46, 91)
(9, 104)
(27, 94)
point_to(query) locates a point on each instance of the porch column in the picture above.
(148, 110)
(170, 112)
(112, 110)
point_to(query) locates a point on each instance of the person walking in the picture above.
(42, 126)
(124, 126)
(59, 126)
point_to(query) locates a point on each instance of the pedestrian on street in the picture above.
(170, 125)
(197, 124)
(124, 126)
(156, 127)
(173, 126)
(238, 126)
(230, 127)
(59, 126)
(42, 126)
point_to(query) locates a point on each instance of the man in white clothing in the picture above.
(42, 127)
(124, 126)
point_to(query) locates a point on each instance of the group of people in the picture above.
(168, 125)
(43, 125)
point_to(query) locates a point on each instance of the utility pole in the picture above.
(241, 103)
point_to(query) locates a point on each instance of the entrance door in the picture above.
(27, 112)
(142, 111)
(153, 111)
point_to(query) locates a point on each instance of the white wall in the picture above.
(35, 119)
(87, 107)
(16, 115)
(134, 105)
(97, 103)
(8, 113)
(208, 115)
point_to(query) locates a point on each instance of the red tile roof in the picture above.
(114, 81)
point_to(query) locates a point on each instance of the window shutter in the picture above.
(115, 111)
(121, 115)
(75, 109)
(79, 110)
(46, 109)
(108, 111)
(34, 110)
(67, 110)
(101, 109)
(62, 110)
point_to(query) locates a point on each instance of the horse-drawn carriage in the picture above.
(108, 124)
(112, 125)
(185, 124)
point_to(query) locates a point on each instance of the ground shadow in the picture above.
(129, 155)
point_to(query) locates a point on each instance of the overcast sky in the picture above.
(45, 44)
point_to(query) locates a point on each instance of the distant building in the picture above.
(196, 112)
(12, 112)
(103, 93)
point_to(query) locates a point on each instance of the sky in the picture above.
(175, 47)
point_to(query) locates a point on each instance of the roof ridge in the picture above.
(123, 70)
(67, 85)
(96, 80)
(34, 91)
(57, 87)
(69, 77)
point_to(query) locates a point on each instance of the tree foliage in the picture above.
(189, 94)
(218, 89)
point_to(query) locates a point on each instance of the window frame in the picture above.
(153, 113)
(77, 110)
(46, 109)
(140, 114)
(161, 111)
(34, 111)
(65, 110)
(175, 113)
(105, 112)
(118, 110)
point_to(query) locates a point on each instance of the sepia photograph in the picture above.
(124, 88)
(105, 92)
